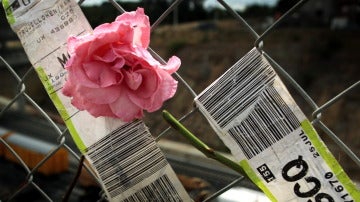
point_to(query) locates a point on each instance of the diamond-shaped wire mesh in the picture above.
(21, 100)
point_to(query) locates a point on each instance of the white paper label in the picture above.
(253, 113)
(43, 27)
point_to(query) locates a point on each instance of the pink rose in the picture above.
(111, 73)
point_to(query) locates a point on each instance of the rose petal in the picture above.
(144, 57)
(166, 90)
(100, 110)
(76, 74)
(79, 45)
(144, 95)
(124, 109)
(141, 25)
(120, 32)
(99, 41)
(102, 74)
(149, 85)
(108, 34)
(94, 109)
(133, 79)
(172, 65)
(105, 54)
(132, 55)
(118, 65)
(93, 69)
(108, 78)
(79, 102)
(168, 86)
(105, 95)
(68, 88)
(106, 28)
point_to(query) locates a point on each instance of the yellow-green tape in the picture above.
(8, 11)
(60, 107)
(252, 175)
(330, 160)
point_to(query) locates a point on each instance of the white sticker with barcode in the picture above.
(253, 113)
(126, 158)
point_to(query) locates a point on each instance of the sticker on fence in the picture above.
(126, 158)
(253, 113)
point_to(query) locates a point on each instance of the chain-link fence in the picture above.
(19, 84)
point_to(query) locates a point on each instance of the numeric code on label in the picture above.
(266, 173)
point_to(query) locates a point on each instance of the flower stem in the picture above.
(74, 181)
(201, 146)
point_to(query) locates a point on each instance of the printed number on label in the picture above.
(301, 167)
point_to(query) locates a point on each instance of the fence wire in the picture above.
(21, 100)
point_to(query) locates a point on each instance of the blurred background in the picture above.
(317, 46)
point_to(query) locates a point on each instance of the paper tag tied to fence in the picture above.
(126, 158)
(253, 113)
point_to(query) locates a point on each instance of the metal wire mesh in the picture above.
(61, 138)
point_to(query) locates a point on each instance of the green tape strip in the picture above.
(252, 175)
(60, 107)
(9, 14)
(330, 160)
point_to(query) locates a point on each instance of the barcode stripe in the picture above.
(223, 84)
(252, 135)
(151, 163)
(231, 112)
(270, 116)
(235, 85)
(283, 111)
(262, 138)
(128, 153)
(228, 86)
(265, 125)
(126, 157)
(163, 189)
(122, 129)
(248, 86)
(241, 140)
(215, 88)
(292, 120)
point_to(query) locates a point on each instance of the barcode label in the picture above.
(245, 104)
(124, 156)
(253, 113)
(269, 121)
(237, 89)
(160, 190)
(127, 158)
